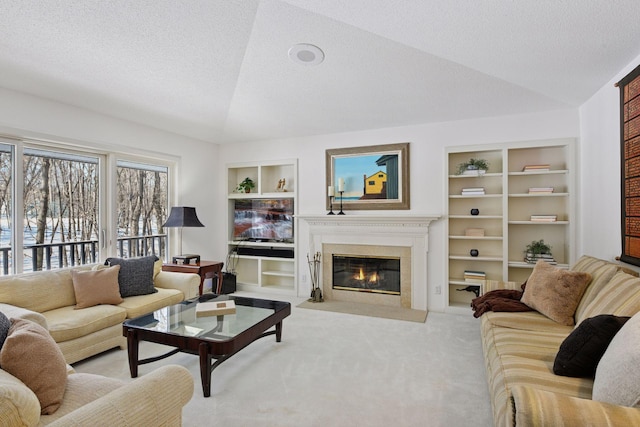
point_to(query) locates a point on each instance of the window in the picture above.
(6, 205)
(61, 201)
(55, 210)
(142, 208)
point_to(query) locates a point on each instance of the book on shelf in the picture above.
(540, 190)
(476, 191)
(544, 218)
(474, 232)
(215, 308)
(533, 258)
(540, 168)
(474, 276)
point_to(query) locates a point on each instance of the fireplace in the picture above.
(372, 259)
(404, 237)
(366, 274)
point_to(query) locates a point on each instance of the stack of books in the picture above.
(474, 232)
(540, 190)
(536, 168)
(474, 191)
(544, 218)
(472, 276)
(533, 258)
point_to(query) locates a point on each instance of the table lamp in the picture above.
(183, 216)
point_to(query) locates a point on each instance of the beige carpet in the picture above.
(385, 312)
(336, 370)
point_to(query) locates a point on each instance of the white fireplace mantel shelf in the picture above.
(370, 220)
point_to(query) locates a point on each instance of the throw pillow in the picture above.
(32, 356)
(617, 378)
(555, 292)
(157, 268)
(136, 275)
(5, 324)
(581, 351)
(93, 287)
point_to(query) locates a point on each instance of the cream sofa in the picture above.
(48, 298)
(155, 399)
(520, 349)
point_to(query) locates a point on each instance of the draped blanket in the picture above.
(499, 300)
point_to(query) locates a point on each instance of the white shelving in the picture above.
(264, 270)
(505, 212)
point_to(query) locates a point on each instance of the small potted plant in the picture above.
(537, 250)
(246, 185)
(473, 167)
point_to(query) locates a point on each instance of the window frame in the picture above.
(107, 166)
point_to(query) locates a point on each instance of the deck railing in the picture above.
(69, 254)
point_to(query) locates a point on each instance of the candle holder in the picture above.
(331, 206)
(341, 212)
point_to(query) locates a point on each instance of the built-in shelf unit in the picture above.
(264, 254)
(526, 182)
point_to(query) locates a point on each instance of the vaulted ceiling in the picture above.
(219, 70)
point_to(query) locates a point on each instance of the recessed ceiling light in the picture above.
(306, 54)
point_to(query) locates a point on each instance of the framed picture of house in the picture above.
(370, 178)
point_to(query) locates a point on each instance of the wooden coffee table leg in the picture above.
(279, 331)
(205, 368)
(132, 350)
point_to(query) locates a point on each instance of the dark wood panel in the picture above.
(630, 170)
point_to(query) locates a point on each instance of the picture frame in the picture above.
(373, 177)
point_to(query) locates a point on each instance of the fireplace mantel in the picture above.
(404, 221)
(410, 231)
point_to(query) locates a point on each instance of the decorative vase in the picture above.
(475, 211)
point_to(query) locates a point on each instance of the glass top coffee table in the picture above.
(210, 337)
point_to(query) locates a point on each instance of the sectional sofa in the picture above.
(51, 319)
(521, 351)
(49, 298)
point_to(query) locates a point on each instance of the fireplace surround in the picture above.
(405, 237)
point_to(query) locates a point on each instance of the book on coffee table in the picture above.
(215, 308)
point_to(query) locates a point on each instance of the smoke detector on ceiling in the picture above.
(306, 54)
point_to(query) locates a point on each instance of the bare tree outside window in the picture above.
(142, 209)
(61, 206)
(6, 200)
(61, 201)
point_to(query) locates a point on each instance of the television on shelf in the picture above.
(263, 220)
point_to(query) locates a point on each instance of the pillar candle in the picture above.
(340, 184)
(330, 191)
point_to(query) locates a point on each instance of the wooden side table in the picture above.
(204, 269)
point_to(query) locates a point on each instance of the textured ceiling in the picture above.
(218, 70)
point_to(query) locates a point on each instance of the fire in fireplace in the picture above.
(366, 274)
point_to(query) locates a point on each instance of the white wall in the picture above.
(427, 168)
(28, 116)
(600, 210)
